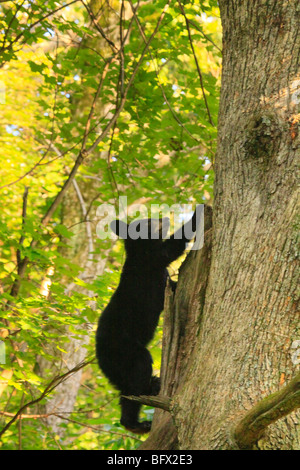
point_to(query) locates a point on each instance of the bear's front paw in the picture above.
(155, 385)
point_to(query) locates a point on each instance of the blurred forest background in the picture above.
(98, 100)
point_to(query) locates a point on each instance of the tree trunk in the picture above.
(77, 201)
(80, 251)
(228, 345)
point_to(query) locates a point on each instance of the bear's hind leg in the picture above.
(139, 382)
(130, 417)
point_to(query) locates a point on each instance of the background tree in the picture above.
(230, 329)
(78, 212)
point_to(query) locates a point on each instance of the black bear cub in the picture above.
(129, 321)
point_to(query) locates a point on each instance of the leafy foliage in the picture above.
(82, 79)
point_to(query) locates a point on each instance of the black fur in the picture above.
(129, 321)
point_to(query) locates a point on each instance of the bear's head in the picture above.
(143, 238)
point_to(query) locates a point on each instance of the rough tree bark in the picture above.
(229, 329)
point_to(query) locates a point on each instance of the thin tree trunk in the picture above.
(223, 357)
(80, 251)
(77, 201)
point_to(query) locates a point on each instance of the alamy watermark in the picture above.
(2, 353)
(174, 217)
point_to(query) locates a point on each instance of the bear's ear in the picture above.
(159, 227)
(164, 226)
(119, 228)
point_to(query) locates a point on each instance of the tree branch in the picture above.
(60, 415)
(49, 388)
(267, 411)
(26, 174)
(84, 213)
(24, 212)
(157, 75)
(22, 33)
(162, 402)
(85, 152)
(130, 81)
(98, 27)
(194, 25)
(196, 61)
(23, 264)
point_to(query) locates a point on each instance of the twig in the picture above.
(88, 224)
(39, 163)
(83, 208)
(104, 73)
(196, 61)
(121, 51)
(267, 411)
(98, 27)
(157, 75)
(22, 237)
(20, 426)
(36, 23)
(23, 176)
(51, 413)
(84, 153)
(49, 388)
(109, 166)
(98, 429)
(11, 22)
(123, 100)
(21, 264)
(204, 35)
(98, 91)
